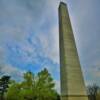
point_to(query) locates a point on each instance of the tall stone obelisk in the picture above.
(72, 83)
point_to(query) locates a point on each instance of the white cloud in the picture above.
(29, 16)
(57, 85)
(50, 44)
(12, 71)
(93, 75)
(22, 18)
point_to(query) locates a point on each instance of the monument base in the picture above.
(76, 97)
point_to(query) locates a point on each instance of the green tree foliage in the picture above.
(13, 92)
(33, 87)
(45, 85)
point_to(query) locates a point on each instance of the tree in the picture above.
(22, 90)
(45, 86)
(14, 92)
(4, 81)
(33, 87)
(28, 91)
(92, 91)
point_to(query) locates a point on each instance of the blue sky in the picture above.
(29, 37)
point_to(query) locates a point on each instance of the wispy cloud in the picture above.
(12, 71)
(29, 38)
(84, 17)
(93, 75)
(57, 87)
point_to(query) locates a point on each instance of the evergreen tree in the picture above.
(4, 81)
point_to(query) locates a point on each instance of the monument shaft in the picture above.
(72, 83)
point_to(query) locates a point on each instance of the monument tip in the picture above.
(62, 3)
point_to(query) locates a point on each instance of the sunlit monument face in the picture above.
(72, 83)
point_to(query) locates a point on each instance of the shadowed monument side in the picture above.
(72, 82)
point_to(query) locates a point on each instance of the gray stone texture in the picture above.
(72, 83)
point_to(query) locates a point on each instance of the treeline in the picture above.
(36, 87)
(33, 87)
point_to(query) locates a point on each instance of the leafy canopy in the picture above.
(33, 87)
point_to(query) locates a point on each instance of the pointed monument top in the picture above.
(61, 2)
